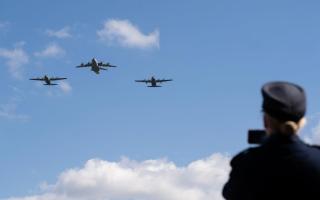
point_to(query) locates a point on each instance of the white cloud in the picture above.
(16, 58)
(8, 111)
(316, 135)
(52, 50)
(147, 180)
(127, 35)
(62, 33)
(312, 133)
(65, 86)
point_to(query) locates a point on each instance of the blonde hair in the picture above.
(285, 127)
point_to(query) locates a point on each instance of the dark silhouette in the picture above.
(48, 80)
(153, 81)
(282, 167)
(96, 66)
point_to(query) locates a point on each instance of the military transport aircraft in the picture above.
(153, 81)
(48, 80)
(96, 66)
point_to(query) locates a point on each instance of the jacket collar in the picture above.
(275, 139)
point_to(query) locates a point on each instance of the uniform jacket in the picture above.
(281, 168)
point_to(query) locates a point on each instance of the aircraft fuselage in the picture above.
(95, 66)
(47, 80)
(153, 82)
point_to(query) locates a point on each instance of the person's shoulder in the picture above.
(315, 147)
(313, 155)
(245, 155)
(313, 152)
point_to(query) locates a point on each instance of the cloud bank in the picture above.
(146, 180)
(61, 34)
(123, 32)
(16, 58)
(52, 50)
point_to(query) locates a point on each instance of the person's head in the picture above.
(284, 107)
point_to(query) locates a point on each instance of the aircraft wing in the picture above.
(106, 65)
(89, 64)
(143, 81)
(163, 80)
(56, 79)
(37, 79)
(50, 84)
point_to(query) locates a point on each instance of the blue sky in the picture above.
(218, 53)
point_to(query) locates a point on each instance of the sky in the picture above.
(107, 137)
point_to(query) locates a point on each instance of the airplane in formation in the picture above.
(153, 81)
(47, 80)
(96, 66)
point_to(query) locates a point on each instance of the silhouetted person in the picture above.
(282, 167)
